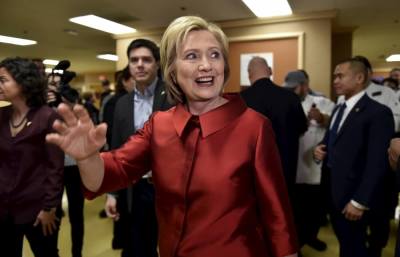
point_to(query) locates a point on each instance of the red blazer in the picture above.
(219, 188)
(31, 170)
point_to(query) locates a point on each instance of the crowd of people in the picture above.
(190, 170)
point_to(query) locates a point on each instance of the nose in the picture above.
(204, 64)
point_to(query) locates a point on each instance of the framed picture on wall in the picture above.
(244, 62)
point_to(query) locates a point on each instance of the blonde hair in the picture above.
(172, 40)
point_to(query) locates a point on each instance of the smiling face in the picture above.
(9, 88)
(199, 67)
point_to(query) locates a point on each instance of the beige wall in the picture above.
(285, 55)
(123, 43)
(315, 53)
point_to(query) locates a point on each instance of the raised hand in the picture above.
(77, 136)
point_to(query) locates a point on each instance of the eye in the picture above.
(215, 55)
(190, 56)
(133, 60)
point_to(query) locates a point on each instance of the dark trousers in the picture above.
(75, 198)
(379, 218)
(11, 239)
(352, 235)
(309, 211)
(379, 230)
(141, 224)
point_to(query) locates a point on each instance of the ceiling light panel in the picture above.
(96, 22)
(393, 58)
(269, 8)
(16, 41)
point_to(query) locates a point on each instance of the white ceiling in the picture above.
(376, 25)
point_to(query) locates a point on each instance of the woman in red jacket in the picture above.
(216, 170)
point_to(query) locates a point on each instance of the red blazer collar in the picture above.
(213, 120)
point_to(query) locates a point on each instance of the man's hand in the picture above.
(111, 207)
(352, 213)
(315, 114)
(48, 220)
(320, 152)
(394, 152)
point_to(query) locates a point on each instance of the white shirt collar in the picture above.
(354, 99)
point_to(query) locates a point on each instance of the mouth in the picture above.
(140, 74)
(205, 81)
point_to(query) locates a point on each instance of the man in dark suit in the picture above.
(136, 204)
(394, 155)
(284, 110)
(354, 151)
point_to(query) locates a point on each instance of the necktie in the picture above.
(333, 132)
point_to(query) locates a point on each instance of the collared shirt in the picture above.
(219, 185)
(143, 108)
(350, 103)
(143, 104)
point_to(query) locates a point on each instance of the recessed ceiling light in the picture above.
(102, 24)
(50, 62)
(270, 8)
(16, 41)
(71, 32)
(109, 57)
(393, 58)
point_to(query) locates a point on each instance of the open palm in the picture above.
(77, 136)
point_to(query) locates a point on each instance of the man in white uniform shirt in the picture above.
(309, 211)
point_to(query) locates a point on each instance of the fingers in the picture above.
(37, 221)
(67, 114)
(51, 227)
(351, 213)
(100, 132)
(82, 114)
(54, 138)
(60, 127)
(44, 229)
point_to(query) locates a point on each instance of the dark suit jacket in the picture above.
(286, 114)
(108, 114)
(31, 170)
(359, 159)
(123, 125)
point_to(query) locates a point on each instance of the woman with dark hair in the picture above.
(30, 169)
